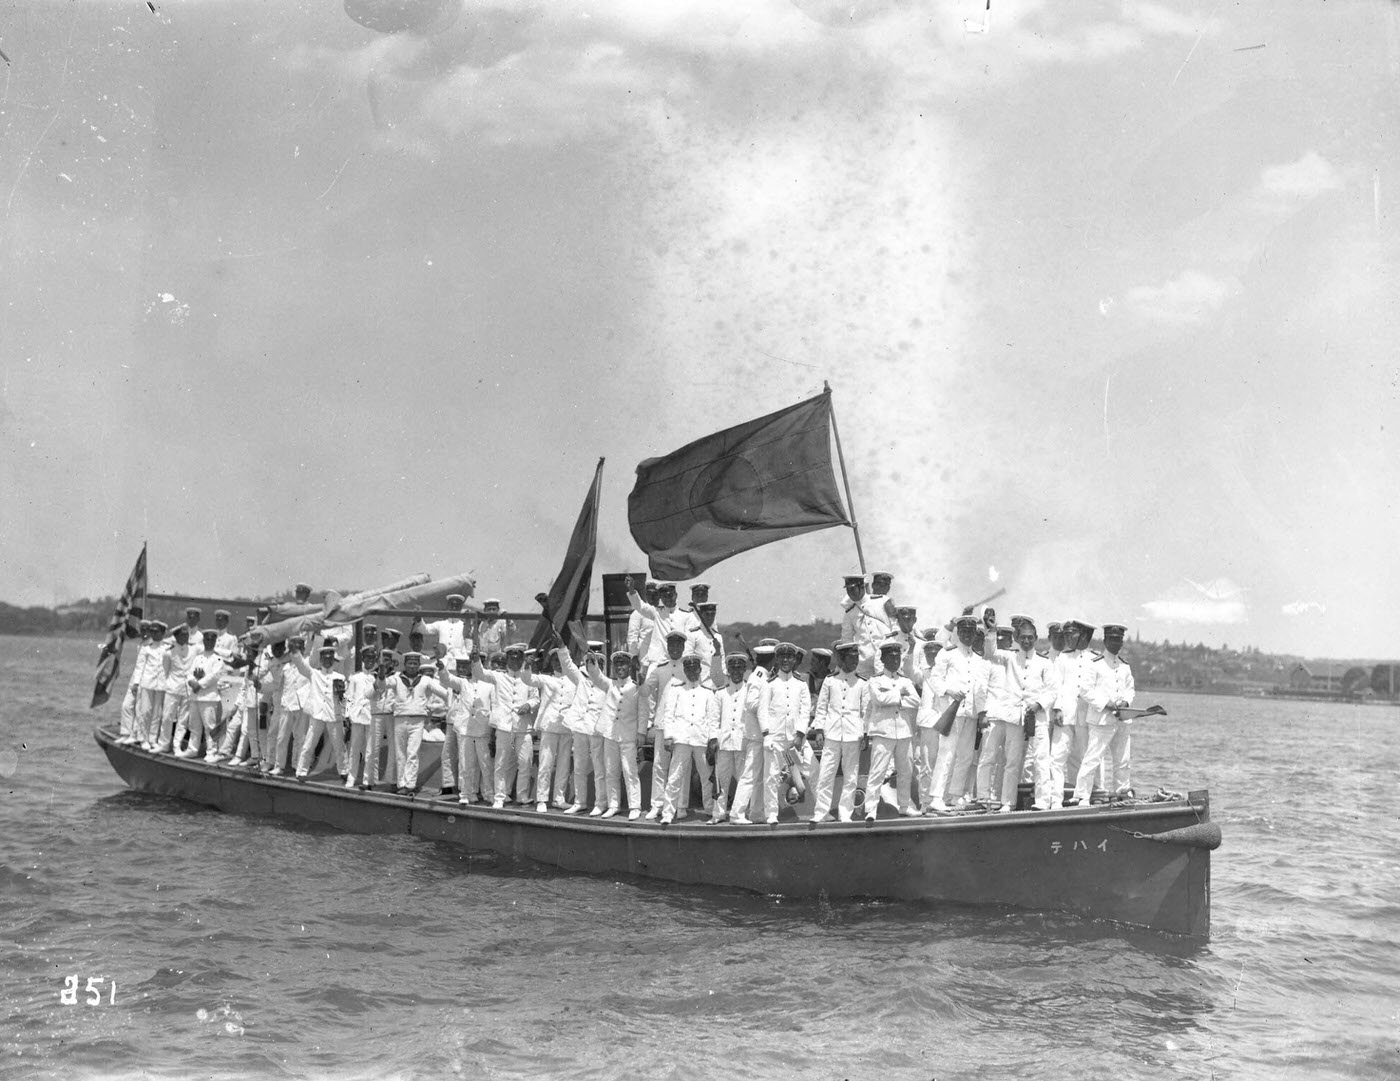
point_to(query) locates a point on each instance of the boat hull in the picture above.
(1099, 862)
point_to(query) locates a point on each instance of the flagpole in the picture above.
(845, 480)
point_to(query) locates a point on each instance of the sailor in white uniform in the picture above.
(1022, 683)
(1107, 688)
(205, 671)
(659, 678)
(739, 754)
(411, 690)
(664, 619)
(325, 710)
(838, 729)
(360, 694)
(784, 710)
(177, 663)
(956, 677)
(891, 707)
(470, 715)
(689, 721)
(864, 621)
(513, 711)
(619, 725)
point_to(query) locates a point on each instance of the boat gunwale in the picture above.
(1196, 801)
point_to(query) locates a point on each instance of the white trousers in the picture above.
(748, 792)
(291, 723)
(1121, 755)
(555, 748)
(1100, 738)
(1038, 763)
(660, 770)
(357, 755)
(451, 752)
(846, 754)
(408, 740)
(727, 767)
(1004, 744)
(513, 753)
(683, 755)
(129, 704)
(885, 751)
(588, 758)
(475, 766)
(174, 721)
(955, 759)
(204, 727)
(335, 736)
(620, 767)
(150, 709)
(775, 762)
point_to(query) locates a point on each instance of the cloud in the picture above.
(1217, 602)
(1300, 180)
(1303, 608)
(1188, 298)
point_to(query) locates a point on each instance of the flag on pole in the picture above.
(568, 596)
(122, 627)
(750, 485)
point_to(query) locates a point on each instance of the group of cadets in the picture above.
(953, 717)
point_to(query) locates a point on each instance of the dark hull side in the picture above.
(1091, 861)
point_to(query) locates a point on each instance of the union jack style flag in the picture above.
(124, 625)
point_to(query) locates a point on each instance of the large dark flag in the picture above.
(568, 596)
(124, 625)
(749, 485)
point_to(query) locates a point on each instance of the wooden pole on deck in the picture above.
(845, 480)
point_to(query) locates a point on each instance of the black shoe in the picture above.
(401, 791)
(448, 791)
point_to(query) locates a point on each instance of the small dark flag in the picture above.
(749, 485)
(124, 625)
(568, 596)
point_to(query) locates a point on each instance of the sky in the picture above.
(1106, 294)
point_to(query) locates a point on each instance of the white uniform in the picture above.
(961, 671)
(865, 623)
(1108, 681)
(588, 740)
(175, 721)
(410, 697)
(658, 680)
(325, 710)
(556, 741)
(619, 725)
(1018, 682)
(204, 704)
(512, 716)
(690, 719)
(470, 717)
(452, 636)
(293, 698)
(890, 714)
(359, 708)
(783, 711)
(841, 718)
(151, 703)
(740, 754)
(662, 621)
(1067, 672)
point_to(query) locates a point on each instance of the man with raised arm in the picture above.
(838, 727)
(412, 689)
(689, 722)
(1020, 694)
(659, 679)
(178, 662)
(512, 716)
(470, 716)
(582, 719)
(618, 726)
(783, 712)
(325, 710)
(663, 617)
